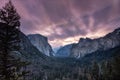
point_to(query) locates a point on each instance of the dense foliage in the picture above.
(11, 66)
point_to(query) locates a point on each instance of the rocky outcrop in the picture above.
(27, 49)
(41, 43)
(87, 45)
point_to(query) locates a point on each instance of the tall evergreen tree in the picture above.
(116, 68)
(106, 70)
(9, 15)
(95, 71)
(11, 67)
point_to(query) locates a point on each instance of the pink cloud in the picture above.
(67, 20)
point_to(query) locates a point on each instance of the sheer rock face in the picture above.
(27, 49)
(41, 43)
(87, 45)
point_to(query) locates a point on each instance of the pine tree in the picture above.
(116, 67)
(106, 70)
(9, 15)
(103, 70)
(11, 67)
(95, 71)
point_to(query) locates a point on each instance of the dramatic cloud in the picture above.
(65, 21)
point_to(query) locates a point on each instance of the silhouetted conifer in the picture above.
(11, 66)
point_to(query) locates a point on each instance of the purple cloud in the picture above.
(63, 19)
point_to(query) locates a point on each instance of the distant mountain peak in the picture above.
(85, 39)
(86, 45)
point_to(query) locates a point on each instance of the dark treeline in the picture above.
(11, 66)
(105, 70)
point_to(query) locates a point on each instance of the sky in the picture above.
(66, 21)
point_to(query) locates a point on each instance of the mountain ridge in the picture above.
(87, 45)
